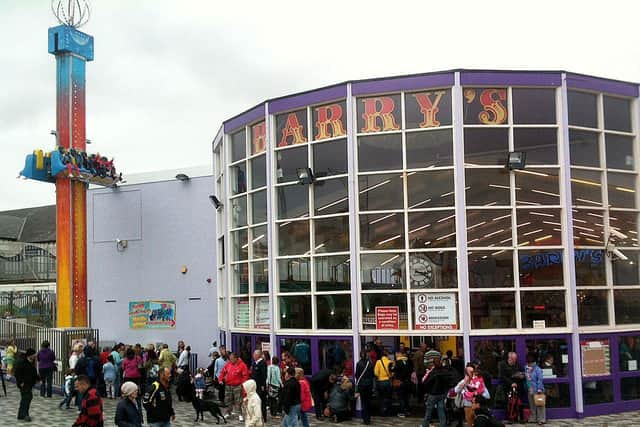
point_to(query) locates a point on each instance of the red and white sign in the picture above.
(436, 311)
(387, 318)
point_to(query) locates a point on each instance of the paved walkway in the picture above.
(45, 412)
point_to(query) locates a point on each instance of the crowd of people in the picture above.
(252, 388)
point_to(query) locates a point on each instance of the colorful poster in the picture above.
(387, 317)
(152, 314)
(261, 313)
(435, 311)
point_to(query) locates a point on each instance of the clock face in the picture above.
(421, 271)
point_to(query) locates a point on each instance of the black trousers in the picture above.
(319, 401)
(263, 401)
(366, 395)
(26, 396)
(46, 376)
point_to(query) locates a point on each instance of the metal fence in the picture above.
(61, 340)
(27, 262)
(37, 307)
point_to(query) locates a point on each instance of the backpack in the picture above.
(91, 367)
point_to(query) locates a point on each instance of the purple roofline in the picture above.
(433, 80)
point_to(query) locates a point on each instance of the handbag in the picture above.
(540, 399)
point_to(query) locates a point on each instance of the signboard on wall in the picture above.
(261, 313)
(596, 358)
(435, 311)
(242, 313)
(152, 314)
(387, 317)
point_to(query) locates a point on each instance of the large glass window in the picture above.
(629, 352)
(488, 146)
(432, 229)
(331, 196)
(583, 109)
(238, 146)
(493, 310)
(625, 222)
(293, 201)
(259, 242)
(430, 189)
(295, 275)
(239, 178)
(260, 274)
(626, 306)
(552, 356)
(543, 306)
(294, 312)
(380, 192)
(619, 152)
(333, 273)
(625, 272)
(622, 190)
(588, 227)
(487, 187)
(534, 106)
(541, 267)
(491, 269)
(259, 206)
(429, 149)
(592, 308)
(240, 273)
(384, 311)
(537, 187)
(334, 311)
(293, 238)
(300, 350)
(259, 171)
(540, 145)
(485, 106)
(336, 355)
(332, 234)
(489, 227)
(382, 271)
(288, 161)
(538, 227)
(239, 245)
(382, 231)
(590, 267)
(617, 114)
(433, 270)
(330, 158)
(584, 148)
(379, 152)
(586, 187)
(428, 109)
(239, 212)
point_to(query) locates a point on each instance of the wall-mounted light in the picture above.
(305, 176)
(215, 202)
(182, 177)
(184, 269)
(121, 245)
(516, 160)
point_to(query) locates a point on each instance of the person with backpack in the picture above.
(364, 385)
(91, 414)
(274, 385)
(483, 416)
(436, 385)
(382, 372)
(157, 401)
(402, 369)
(89, 365)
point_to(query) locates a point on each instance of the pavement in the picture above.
(45, 412)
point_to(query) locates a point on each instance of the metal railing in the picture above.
(37, 307)
(27, 262)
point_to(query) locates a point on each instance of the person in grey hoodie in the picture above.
(46, 365)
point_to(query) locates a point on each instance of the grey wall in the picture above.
(167, 224)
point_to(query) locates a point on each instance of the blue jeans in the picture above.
(161, 424)
(46, 376)
(304, 419)
(384, 393)
(438, 401)
(291, 419)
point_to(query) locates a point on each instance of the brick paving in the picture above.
(45, 412)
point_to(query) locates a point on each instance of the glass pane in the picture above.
(429, 149)
(491, 269)
(334, 311)
(540, 145)
(240, 245)
(583, 109)
(558, 395)
(336, 355)
(626, 306)
(539, 227)
(295, 312)
(261, 314)
(333, 273)
(617, 114)
(260, 273)
(629, 352)
(380, 192)
(552, 356)
(259, 242)
(547, 306)
(592, 308)
(541, 267)
(293, 201)
(381, 231)
(241, 312)
(626, 223)
(584, 148)
(384, 311)
(590, 270)
(239, 178)
(537, 187)
(330, 121)
(295, 275)
(380, 152)
(430, 189)
(619, 152)
(493, 310)
(332, 234)
(487, 187)
(486, 146)
(428, 109)
(625, 272)
(291, 128)
(288, 161)
(630, 388)
(382, 271)
(258, 138)
(293, 238)
(240, 273)
(597, 392)
(330, 158)
(331, 196)
(588, 229)
(435, 311)
(534, 106)
(586, 187)
(485, 106)
(433, 270)
(622, 190)
(298, 350)
(432, 229)
(379, 113)
(238, 146)
(489, 227)
(259, 172)
(239, 212)
(259, 206)
(491, 353)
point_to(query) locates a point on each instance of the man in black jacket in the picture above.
(259, 375)
(290, 399)
(364, 385)
(26, 377)
(157, 400)
(320, 383)
(436, 386)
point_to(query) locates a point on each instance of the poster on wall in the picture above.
(435, 311)
(242, 313)
(261, 313)
(596, 358)
(152, 314)
(387, 317)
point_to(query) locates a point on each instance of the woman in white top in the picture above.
(76, 354)
(183, 360)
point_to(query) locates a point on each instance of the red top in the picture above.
(234, 374)
(130, 367)
(305, 395)
(103, 357)
(347, 367)
(91, 412)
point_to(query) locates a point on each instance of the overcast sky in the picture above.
(168, 72)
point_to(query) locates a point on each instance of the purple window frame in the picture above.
(314, 342)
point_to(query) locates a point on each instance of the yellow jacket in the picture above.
(382, 370)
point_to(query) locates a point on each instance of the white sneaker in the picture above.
(240, 418)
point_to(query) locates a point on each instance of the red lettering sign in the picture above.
(293, 131)
(428, 108)
(258, 138)
(329, 122)
(387, 318)
(379, 110)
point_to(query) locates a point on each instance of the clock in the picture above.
(421, 271)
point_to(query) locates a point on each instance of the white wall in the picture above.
(168, 225)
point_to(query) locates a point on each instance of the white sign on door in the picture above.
(435, 311)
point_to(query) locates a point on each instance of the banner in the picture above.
(435, 311)
(387, 318)
(152, 314)
(242, 313)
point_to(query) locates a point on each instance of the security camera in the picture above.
(215, 202)
(617, 234)
(618, 254)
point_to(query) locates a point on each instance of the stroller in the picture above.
(514, 406)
